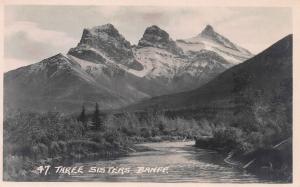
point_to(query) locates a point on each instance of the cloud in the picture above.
(36, 34)
(26, 42)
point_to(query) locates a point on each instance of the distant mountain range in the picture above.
(266, 79)
(105, 68)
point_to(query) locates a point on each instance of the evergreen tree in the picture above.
(96, 120)
(83, 118)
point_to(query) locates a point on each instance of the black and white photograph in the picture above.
(159, 94)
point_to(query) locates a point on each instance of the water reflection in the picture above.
(185, 164)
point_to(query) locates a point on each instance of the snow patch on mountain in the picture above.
(157, 62)
(198, 44)
(208, 39)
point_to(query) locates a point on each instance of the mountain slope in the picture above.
(65, 83)
(266, 77)
(56, 83)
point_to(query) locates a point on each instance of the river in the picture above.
(185, 164)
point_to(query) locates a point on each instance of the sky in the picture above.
(33, 33)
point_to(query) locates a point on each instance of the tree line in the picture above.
(97, 118)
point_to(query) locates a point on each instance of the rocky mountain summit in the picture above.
(158, 38)
(210, 40)
(210, 34)
(104, 43)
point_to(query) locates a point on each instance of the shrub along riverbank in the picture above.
(32, 139)
(259, 141)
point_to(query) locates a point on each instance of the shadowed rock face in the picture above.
(156, 37)
(103, 43)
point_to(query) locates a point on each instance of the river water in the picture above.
(185, 163)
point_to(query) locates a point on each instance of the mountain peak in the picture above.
(210, 34)
(156, 34)
(156, 37)
(101, 32)
(154, 28)
(106, 28)
(208, 29)
(59, 55)
(104, 43)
